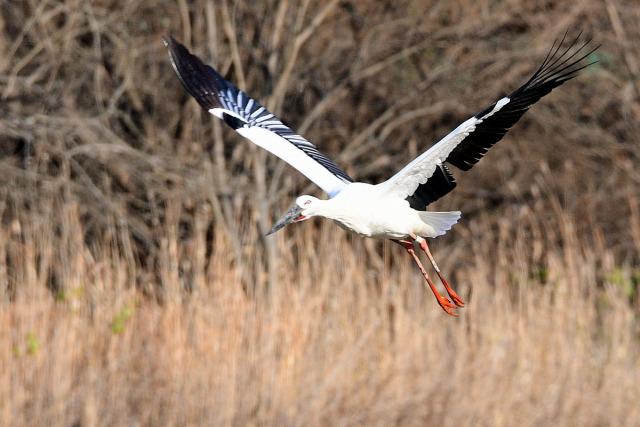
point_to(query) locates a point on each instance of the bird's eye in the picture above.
(307, 202)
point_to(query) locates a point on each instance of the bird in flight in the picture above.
(394, 209)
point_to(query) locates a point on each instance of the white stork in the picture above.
(396, 208)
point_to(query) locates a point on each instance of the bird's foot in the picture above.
(452, 294)
(446, 304)
(442, 301)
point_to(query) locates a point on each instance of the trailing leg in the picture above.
(442, 301)
(452, 294)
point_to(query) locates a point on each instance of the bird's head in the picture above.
(304, 208)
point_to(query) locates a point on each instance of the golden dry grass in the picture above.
(136, 287)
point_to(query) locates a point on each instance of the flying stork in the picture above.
(394, 209)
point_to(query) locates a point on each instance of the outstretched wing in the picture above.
(427, 178)
(251, 120)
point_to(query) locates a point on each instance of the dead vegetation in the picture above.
(136, 286)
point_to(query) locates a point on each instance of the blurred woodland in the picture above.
(137, 286)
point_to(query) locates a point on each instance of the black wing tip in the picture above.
(172, 44)
(560, 66)
(199, 79)
(175, 49)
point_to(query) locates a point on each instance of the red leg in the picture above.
(444, 303)
(452, 294)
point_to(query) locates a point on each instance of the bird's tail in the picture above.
(440, 221)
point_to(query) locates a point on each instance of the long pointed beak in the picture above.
(291, 216)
